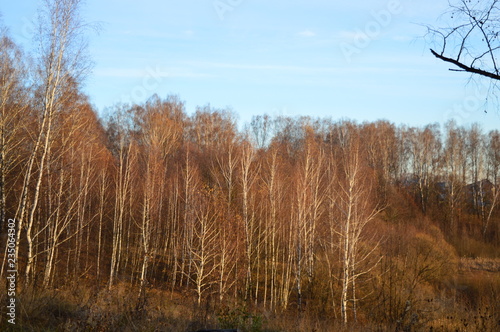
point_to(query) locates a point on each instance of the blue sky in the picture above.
(363, 60)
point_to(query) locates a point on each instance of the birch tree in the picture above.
(160, 137)
(13, 111)
(123, 148)
(67, 199)
(455, 169)
(247, 180)
(61, 58)
(275, 180)
(355, 210)
(309, 204)
(205, 241)
(424, 147)
(475, 142)
(493, 170)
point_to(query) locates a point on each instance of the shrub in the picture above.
(240, 318)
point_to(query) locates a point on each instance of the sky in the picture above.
(364, 60)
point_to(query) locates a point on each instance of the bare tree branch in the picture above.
(471, 43)
(465, 67)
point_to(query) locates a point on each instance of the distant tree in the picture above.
(455, 167)
(211, 128)
(424, 147)
(475, 141)
(261, 130)
(493, 171)
(381, 145)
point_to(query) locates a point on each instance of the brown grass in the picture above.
(480, 264)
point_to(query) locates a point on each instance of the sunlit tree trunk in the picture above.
(13, 106)
(190, 187)
(475, 153)
(103, 189)
(248, 175)
(59, 62)
(274, 194)
(355, 211)
(205, 247)
(493, 167)
(454, 158)
(123, 187)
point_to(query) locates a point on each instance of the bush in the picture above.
(241, 319)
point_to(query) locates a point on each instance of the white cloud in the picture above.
(401, 38)
(351, 35)
(135, 73)
(307, 33)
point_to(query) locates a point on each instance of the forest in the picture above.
(150, 218)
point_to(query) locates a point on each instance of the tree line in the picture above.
(344, 219)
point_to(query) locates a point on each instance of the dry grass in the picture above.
(84, 309)
(472, 307)
(452, 294)
(479, 264)
(473, 248)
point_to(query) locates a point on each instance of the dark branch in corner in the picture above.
(465, 67)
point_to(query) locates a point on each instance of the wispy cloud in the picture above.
(120, 72)
(155, 33)
(383, 66)
(351, 35)
(401, 38)
(268, 67)
(307, 33)
(135, 73)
